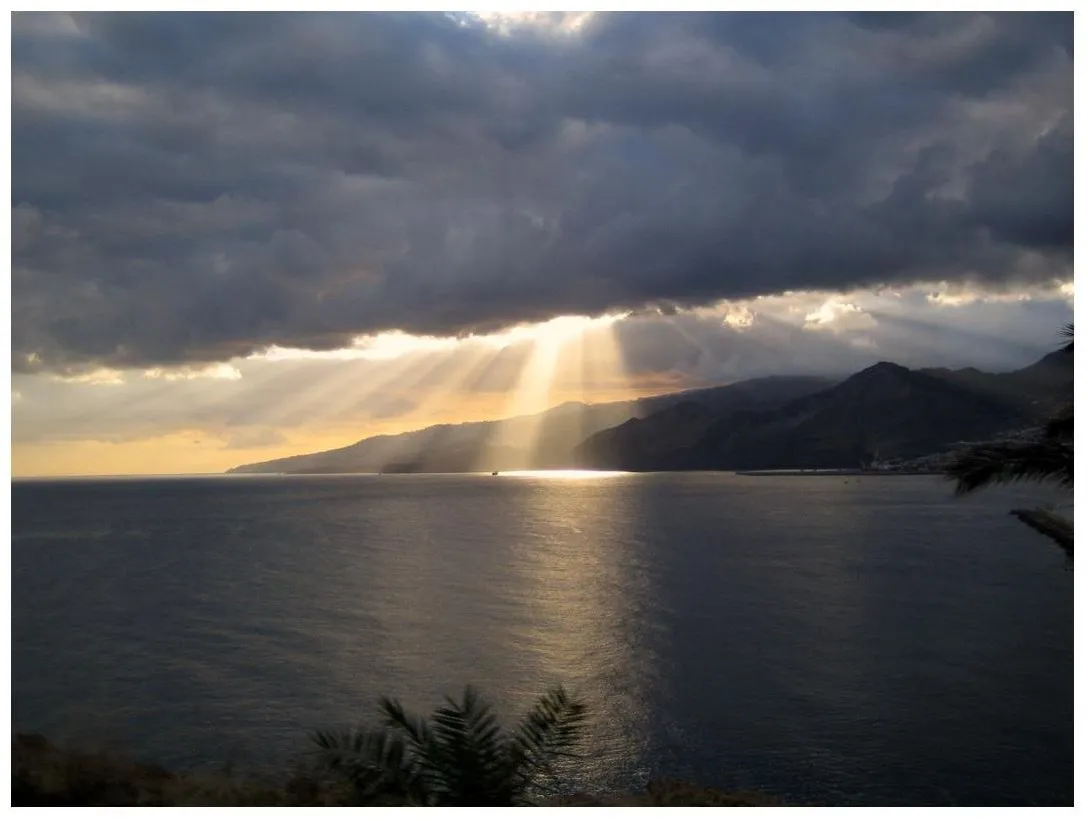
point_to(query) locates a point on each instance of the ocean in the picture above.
(828, 640)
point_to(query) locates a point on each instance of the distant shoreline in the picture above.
(836, 472)
(512, 472)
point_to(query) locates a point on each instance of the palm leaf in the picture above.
(376, 763)
(419, 735)
(1047, 460)
(459, 756)
(1060, 426)
(469, 755)
(1067, 332)
(549, 732)
(1054, 527)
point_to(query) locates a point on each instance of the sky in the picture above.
(237, 237)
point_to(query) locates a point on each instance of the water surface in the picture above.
(865, 640)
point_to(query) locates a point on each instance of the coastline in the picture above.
(838, 472)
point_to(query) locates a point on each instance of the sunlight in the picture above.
(388, 345)
(530, 396)
(219, 370)
(549, 22)
(99, 376)
(565, 474)
(558, 330)
(836, 315)
(320, 393)
(738, 317)
(602, 360)
(443, 384)
(704, 354)
(394, 383)
(396, 344)
(569, 354)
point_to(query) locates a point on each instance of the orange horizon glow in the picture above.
(571, 359)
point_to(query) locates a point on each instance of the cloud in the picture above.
(190, 188)
(319, 402)
(836, 316)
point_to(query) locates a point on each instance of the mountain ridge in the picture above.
(469, 446)
(883, 411)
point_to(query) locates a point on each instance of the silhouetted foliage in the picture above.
(1055, 528)
(1046, 458)
(990, 463)
(459, 756)
(1060, 425)
(1067, 331)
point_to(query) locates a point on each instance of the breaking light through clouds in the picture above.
(836, 316)
(287, 402)
(551, 22)
(227, 247)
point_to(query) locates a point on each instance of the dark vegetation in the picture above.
(43, 775)
(1046, 455)
(458, 756)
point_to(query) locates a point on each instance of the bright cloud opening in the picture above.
(221, 370)
(550, 22)
(396, 344)
(836, 316)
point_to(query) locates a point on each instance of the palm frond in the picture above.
(376, 763)
(469, 754)
(1047, 460)
(549, 732)
(415, 729)
(459, 756)
(1059, 530)
(1067, 332)
(1060, 425)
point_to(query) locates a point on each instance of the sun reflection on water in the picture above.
(565, 474)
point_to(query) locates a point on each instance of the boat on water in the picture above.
(494, 473)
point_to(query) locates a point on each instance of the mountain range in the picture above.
(885, 412)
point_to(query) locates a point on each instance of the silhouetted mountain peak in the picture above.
(880, 377)
(883, 367)
(1056, 359)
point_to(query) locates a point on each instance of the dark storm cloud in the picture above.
(193, 187)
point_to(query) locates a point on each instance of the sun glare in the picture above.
(565, 474)
(550, 22)
(567, 354)
(559, 330)
(389, 345)
(395, 344)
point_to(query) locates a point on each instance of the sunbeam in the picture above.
(557, 369)
(516, 433)
(334, 387)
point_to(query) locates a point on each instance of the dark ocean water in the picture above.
(869, 641)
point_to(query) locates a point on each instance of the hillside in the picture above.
(883, 412)
(1034, 390)
(538, 441)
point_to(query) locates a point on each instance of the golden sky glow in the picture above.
(232, 262)
(209, 418)
(433, 373)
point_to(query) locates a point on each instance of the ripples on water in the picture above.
(826, 640)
